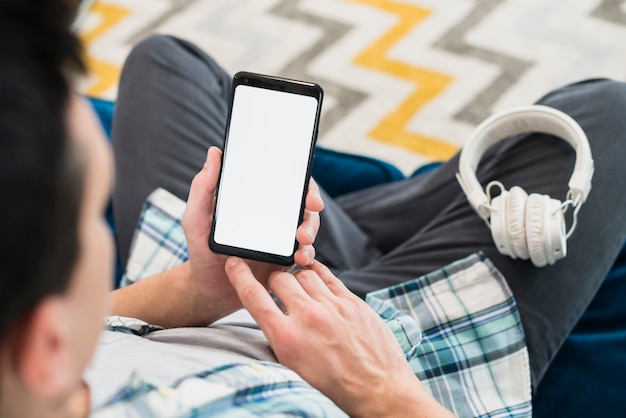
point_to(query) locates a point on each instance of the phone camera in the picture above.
(245, 80)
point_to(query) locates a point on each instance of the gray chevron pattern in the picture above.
(395, 72)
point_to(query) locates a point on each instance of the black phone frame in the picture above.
(278, 84)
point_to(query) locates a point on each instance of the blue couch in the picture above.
(588, 376)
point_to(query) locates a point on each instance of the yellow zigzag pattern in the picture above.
(392, 129)
(107, 74)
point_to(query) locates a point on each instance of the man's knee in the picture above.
(173, 60)
(604, 97)
(602, 93)
(155, 49)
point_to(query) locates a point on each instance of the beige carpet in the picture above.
(405, 81)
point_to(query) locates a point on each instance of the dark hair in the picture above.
(40, 178)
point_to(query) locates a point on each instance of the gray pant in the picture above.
(172, 106)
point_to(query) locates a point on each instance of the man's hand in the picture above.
(207, 268)
(198, 292)
(334, 340)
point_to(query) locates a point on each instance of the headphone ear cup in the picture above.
(536, 207)
(555, 235)
(498, 223)
(516, 222)
(508, 223)
(545, 230)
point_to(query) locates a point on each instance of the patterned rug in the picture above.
(405, 81)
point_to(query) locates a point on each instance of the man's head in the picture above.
(55, 249)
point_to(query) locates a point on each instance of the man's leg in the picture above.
(172, 105)
(171, 108)
(421, 225)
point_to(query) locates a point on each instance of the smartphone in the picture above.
(268, 153)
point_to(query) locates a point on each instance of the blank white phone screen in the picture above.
(265, 165)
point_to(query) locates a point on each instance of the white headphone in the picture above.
(527, 226)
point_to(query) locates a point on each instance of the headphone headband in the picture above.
(535, 118)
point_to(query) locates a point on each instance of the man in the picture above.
(57, 255)
(58, 251)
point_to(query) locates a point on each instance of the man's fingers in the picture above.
(253, 296)
(307, 231)
(201, 197)
(314, 200)
(313, 285)
(305, 255)
(329, 279)
(203, 186)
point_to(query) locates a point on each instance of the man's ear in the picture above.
(45, 359)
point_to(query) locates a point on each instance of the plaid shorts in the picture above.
(458, 326)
